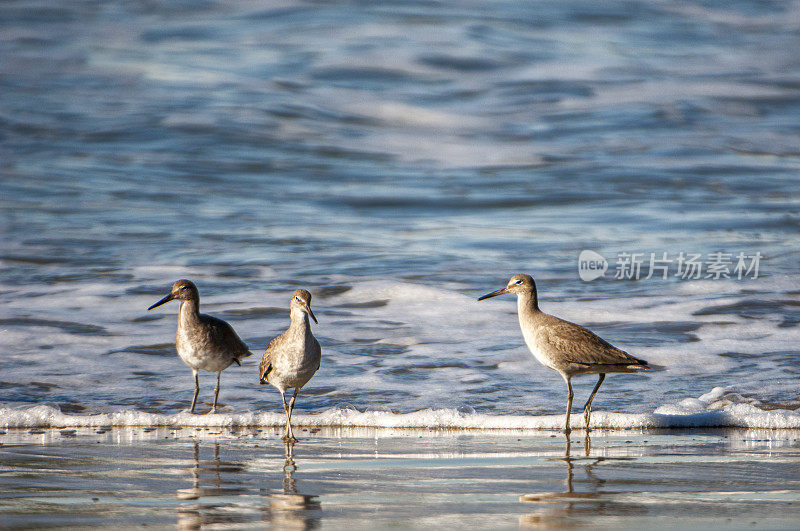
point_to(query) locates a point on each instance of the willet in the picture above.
(565, 347)
(292, 358)
(203, 342)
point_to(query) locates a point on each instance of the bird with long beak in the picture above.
(292, 358)
(565, 347)
(202, 341)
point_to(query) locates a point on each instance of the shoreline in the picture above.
(63, 434)
(378, 478)
(689, 414)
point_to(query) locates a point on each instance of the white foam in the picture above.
(719, 408)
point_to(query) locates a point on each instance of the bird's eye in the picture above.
(518, 281)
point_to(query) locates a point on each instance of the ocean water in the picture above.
(398, 159)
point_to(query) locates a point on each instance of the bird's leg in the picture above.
(216, 394)
(285, 407)
(287, 433)
(289, 416)
(567, 428)
(196, 390)
(587, 409)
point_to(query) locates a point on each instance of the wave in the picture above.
(720, 408)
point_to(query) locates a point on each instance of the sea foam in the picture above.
(720, 408)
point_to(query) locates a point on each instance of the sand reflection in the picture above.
(559, 507)
(291, 508)
(207, 492)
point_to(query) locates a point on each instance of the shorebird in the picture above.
(203, 342)
(565, 347)
(292, 358)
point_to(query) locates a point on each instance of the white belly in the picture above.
(201, 356)
(538, 353)
(292, 371)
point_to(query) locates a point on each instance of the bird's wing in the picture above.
(579, 345)
(318, 353)
(223, 333)
(266, 359)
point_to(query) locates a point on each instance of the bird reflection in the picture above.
(205, 509)
(562, 505)
(290, 509)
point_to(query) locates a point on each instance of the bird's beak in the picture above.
(494, 294)
(310, 313)
(162, 301)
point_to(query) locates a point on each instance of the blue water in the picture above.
(397, 159)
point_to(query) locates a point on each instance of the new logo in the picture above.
(591, 265)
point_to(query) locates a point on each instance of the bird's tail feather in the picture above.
(635, 365)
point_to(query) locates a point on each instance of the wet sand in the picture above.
(367, 478)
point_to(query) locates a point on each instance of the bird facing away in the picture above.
(292, 358)
(203, 342)
(565, 347)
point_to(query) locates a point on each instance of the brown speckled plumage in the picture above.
(202, 341)
(292, 358)
(565, 347)
(575, 350)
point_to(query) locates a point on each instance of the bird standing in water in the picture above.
(565, 347)
(292, 358)
(203, 342)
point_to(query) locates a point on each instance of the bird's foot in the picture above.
(213, 410)
(289, 438)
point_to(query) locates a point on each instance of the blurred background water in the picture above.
(398, 159)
